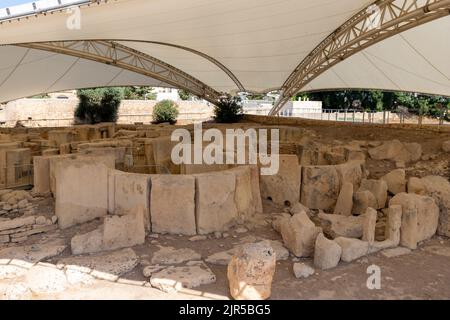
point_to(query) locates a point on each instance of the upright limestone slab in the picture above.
(172, 204)
(320, 187)
(420, 217)
(215, 205)
(82, 192)
(130, 190)
(284, 187)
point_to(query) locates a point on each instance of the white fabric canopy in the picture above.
(260, 42)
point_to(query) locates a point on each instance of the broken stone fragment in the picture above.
(352, 249)
(250, 272)
(416, 185)
(302, 270)
(299, 235)
(125, 231)
(87, 243)
(369, 224)
(396, 181)
(344, 203)
(341, 226)
(378, 188)
(327, 253)
(278, 219)
(363, 200)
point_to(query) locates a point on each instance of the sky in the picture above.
(10, 3)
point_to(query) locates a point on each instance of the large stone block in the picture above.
(127, 191)
(320, 187)
(352, 249)
(284, 187)
(81, 191)
(18, 166)
(124, 231)
(420, 216)
(439, 189)
(327, 253)
(299, 234)
(172, 204)
(60, 136)
(378, 188)
(396, 181)
(363, 200)
(344, 203)
(251, 270)
(335, 225)
(215, 201)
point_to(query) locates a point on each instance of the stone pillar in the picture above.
(370, 221)
(251, 270)
(394, 224)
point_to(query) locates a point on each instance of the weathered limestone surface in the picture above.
(352, 249)
(169, 255)
(320, 187)
(363, 200)
(124, 231)
(351, 172)
(439, 188)
(114, 263)
(394, 224)
(126, 191)
(251, 270)
(341, 226)
(90, 242)
(82, 191)
(396, 151)
(284, 187)
(396, 181)
(299, 235)
(327, 253)
(344, 203)
(416, 185)
(247, 201)
(215, 205)
(173, 279)
(420, 216)
(369, 224)
(172, 204)
(378, 188)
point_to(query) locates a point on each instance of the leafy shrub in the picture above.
(165, 111)
(98, 105)
(228, 110)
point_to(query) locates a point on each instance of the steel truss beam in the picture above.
(381, 20)
(111, 53)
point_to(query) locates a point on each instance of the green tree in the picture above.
(165, 111)
(228, 110)
(184, 95)
(98, 105)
